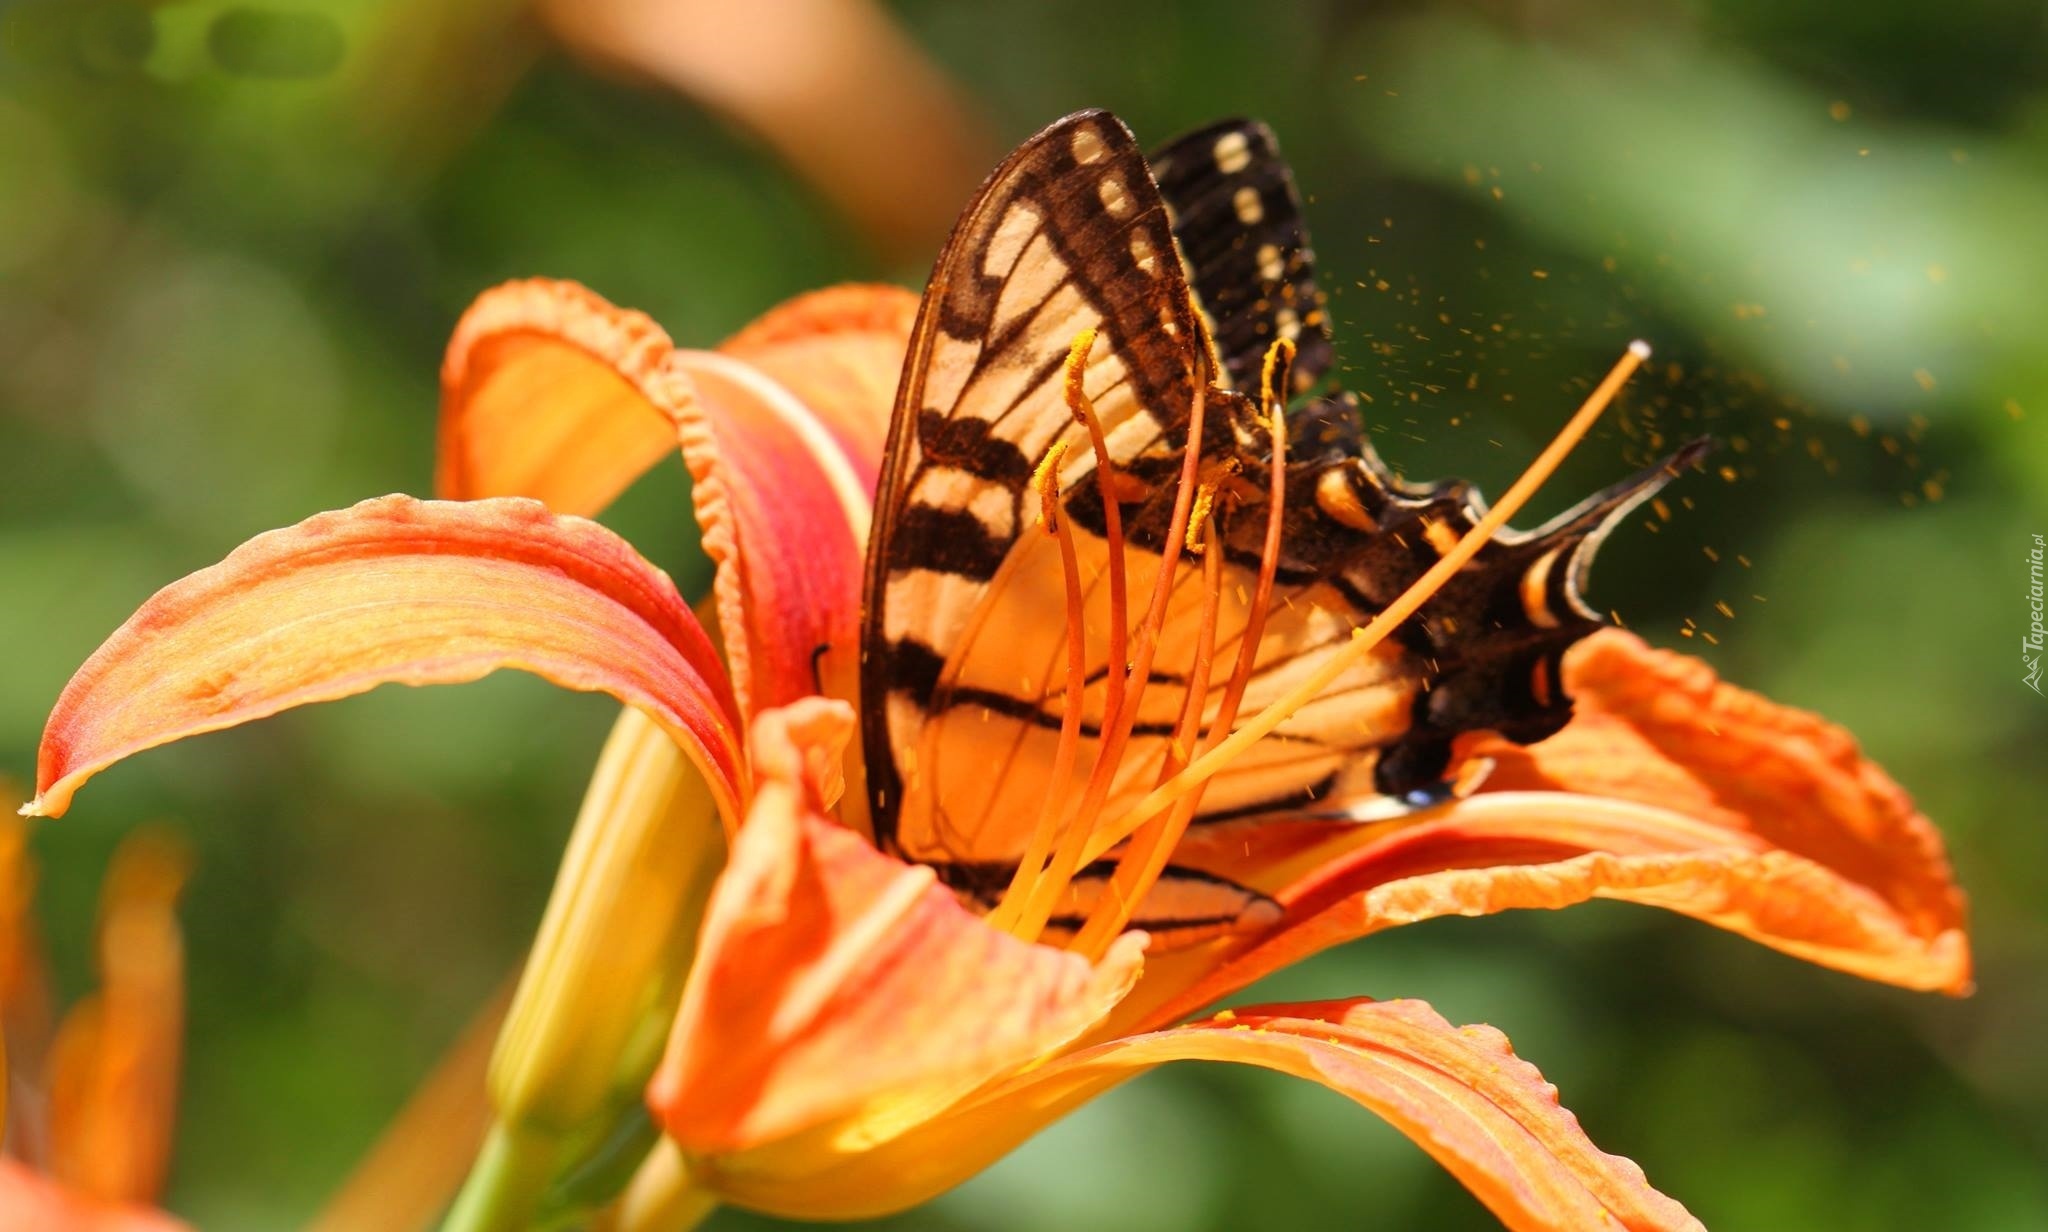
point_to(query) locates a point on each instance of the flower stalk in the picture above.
(587, 1023)
(506, 1183)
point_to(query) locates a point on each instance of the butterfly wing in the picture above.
(1356, 534)
(1237, 219)
(1067, 235)
(965, 659)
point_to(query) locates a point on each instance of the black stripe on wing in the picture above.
(1239, 224)
(1185, 904)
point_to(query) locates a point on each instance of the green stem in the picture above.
(505, 1184)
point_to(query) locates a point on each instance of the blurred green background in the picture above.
(233, 241)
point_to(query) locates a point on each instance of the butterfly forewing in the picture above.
(1068, 235)
(966, 640)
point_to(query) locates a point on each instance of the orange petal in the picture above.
(1499, 852)
(1668, 787)
(784, 517)
(395, 590)
(1460, 1093)
(549, 391)
(840, 351)
(30, 1201)
(834, 981)
(113, 1068)
(1660, 728)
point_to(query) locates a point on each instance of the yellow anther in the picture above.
(1279, 362)
(1077, 366)
(1047, 480)
(1198, 517)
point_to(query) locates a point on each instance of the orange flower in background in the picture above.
(89, 1107)
(847, 1039)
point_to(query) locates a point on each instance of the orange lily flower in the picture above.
(851, 1039)
(88, 1108)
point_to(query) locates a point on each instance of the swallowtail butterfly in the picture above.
(1184, 268)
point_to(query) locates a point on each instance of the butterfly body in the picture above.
(1177, 274)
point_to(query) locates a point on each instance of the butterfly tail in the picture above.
(1498, 632)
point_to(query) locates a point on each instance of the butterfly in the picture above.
(1161, 287)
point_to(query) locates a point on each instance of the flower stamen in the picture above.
(1121, 705)
(1363, 641)
(1200, 527)
(1273, 372)
(1027, 903)
(1153, 844)
(1047, 829)
(1145, 858)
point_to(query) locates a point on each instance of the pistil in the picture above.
(1076, 835)
(1214, 760)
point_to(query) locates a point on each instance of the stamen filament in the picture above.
(1153, 845)
(1363, 641)
(1083, 410)
(1027, 903)
(1154, 842)
(1123, 710)
(1047, 480)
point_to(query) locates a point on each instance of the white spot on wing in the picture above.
(957, 491)
(945, 375)
(944, 487)
(1248, 206)
(1233, 153)
(1114, 198)
(1270, 267)
(1034, 278)
(993, 507)
(1129, 438)
(1143, 254)
(1002, 390)
(1087, 146)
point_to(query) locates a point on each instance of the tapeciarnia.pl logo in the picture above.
(2030, 646)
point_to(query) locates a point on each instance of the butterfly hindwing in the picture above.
(1237, 218)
